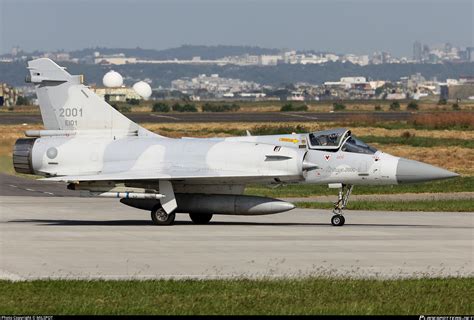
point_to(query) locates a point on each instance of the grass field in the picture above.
(240, 297)
(419, 205)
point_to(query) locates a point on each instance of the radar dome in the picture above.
(112, 79)
(143, 89)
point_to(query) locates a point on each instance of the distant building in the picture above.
(470, 54)
(120, 94)
(116, 59)
(417, 51)
(377, 58)
(452, 82)
(296, 96)
(62, 56)
(425, 52)
(214, 85)
(57, 56)
(15, 51)
(444, 92)
(396, 96)
(376, 84)
(253, 95)
(466, 80)
(346, 82)
(360, 60)
(461, 91)
(352, 80)
(269, 60)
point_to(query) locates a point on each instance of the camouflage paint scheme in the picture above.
(94, 148)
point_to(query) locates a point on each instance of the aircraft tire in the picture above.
(200, 218)
(338, 220)
(161, 218)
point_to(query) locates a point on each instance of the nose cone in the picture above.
(410, 171)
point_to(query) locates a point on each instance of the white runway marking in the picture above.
(301, 116)
(162, 116)
(31, 190)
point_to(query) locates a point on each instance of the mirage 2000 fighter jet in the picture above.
(94, 148)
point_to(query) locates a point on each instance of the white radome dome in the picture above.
(112, 79)
(143, 89)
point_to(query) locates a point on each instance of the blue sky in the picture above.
(340, 26)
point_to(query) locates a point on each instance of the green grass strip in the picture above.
(240, 297)
(460, 184)
(421, 205)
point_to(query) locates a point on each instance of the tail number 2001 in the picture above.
(70, 113)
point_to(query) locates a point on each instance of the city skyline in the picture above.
(242, 56)
(340, 26)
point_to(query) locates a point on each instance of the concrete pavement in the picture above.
(90, 238)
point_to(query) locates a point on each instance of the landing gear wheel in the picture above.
(342, 200)
(161, 218)
(338, 220)
(200, 218)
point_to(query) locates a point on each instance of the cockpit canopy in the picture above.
(329, 139)
(357, 146)
(332, 140)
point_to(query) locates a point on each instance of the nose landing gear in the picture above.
(338, 219)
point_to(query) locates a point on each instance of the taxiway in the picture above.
(89, 238)
(185, 117)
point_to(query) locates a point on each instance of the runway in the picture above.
(17, 186)
(20, 118)
(90, 238)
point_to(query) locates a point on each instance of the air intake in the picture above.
(22, 152)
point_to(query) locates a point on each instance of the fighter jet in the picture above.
(93, 148)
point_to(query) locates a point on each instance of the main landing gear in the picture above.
(161, 218)
(338, 219)
(200, 218)
(163, 214)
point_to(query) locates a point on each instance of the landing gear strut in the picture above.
(344, 193)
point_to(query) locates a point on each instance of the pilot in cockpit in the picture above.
(333, 139)
(323, 141)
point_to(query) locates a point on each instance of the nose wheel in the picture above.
(338, 219)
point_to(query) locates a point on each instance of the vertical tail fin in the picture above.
(66, 104)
